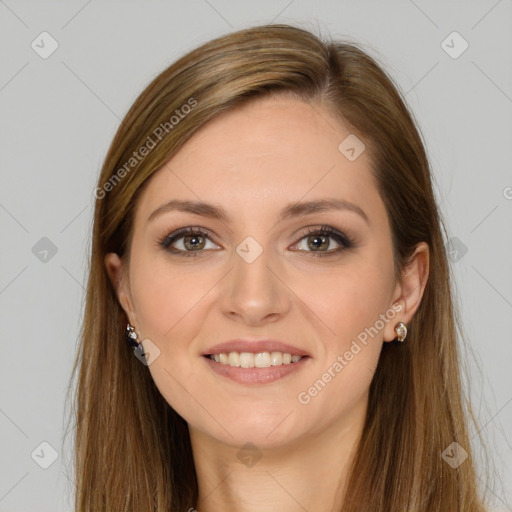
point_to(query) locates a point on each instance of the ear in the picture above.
(117, 274)
(409, 293)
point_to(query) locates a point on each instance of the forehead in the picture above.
(263, 154)
(274, 128)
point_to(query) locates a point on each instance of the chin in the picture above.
(265, 432)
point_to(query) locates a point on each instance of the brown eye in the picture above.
(193, 242)
(186, 242)
(322, 242)
(319, 242)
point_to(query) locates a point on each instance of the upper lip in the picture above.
(255, 346)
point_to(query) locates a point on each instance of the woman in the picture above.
(267, 240)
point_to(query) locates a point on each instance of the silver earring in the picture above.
(401, 331)
(131, 336)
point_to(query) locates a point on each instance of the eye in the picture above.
(320, 241)
(192, 241)
(186, 241)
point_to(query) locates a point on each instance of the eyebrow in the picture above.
(297, 209)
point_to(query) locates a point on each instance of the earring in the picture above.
(131, 336)
(401, 331)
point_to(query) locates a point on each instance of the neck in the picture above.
(308, 473)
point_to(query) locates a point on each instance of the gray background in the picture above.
(59, 115)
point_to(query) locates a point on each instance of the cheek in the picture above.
(349, 301)
(167, 299)
(165, 294)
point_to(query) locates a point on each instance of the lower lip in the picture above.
(255, 375)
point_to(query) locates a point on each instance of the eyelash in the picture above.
(343, 240)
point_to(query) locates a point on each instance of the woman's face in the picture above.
(263, 271)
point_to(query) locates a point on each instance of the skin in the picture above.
(253, 161)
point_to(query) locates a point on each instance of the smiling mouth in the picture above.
(255, 360)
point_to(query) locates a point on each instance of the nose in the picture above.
(255, 292)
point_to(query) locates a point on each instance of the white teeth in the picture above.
(277, 358)
(259, 360)
(234, 359)
(246, 360)
(262, 360)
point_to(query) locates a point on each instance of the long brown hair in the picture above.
(133, 450)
